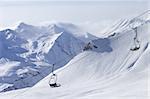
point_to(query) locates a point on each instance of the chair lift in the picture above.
(53, 80)
(136, 41)
(89, 46)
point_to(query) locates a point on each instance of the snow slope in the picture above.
(112, 71)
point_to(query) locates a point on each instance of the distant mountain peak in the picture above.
(54, 28)
(22, 24)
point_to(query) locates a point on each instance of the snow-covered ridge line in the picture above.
(128, 24)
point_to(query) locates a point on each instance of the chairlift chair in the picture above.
(136, 45)
(87, 47)
(136, 41)
(53, 79)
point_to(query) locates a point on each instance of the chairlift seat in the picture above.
(135, 48)
(53, 81)
(54, 85)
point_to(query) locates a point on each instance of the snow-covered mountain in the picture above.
(29, 50)
(111, 70)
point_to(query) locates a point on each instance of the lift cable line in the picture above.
(53, 69)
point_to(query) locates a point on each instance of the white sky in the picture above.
(76, 11)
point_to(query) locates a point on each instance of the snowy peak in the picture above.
(7, 32)
(69, 27)
(47, 42)
(25, 28)
(75, 30)
(27, 31)
(24, 25)
(10, 36)
(48, 48)
(53, 29)
(34, 32)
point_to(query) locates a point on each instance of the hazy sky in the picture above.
(76, 11)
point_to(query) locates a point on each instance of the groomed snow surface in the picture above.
(112, 71)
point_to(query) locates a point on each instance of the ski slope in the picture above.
(112, 71)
